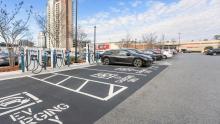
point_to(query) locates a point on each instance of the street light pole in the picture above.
(95, 42)
(76, 32)
(135, 42)
(179, 42)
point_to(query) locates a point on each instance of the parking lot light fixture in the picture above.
(95, 42)
(76, 32)
(179, 42)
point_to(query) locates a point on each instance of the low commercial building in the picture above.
(199, 46)
(193, 46)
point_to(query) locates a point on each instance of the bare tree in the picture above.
(12, 30)
(126, 42)
(42, 23)
(149, 39)
(82, 40)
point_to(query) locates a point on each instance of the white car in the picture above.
(167, 54)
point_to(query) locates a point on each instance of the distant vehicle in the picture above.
(125, 56)
(186, 51)
(167, 54)
(174, 51)
(155, 55)
(4, 59)
(213, 52)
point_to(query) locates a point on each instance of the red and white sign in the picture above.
(104, 46)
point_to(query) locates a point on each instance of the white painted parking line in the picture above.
(90, 80)
(82, 85)
(66, 88)
(111, 93)
(54, 74)
(115, 93)
(63, 80)
(111, 90)
(114, 72)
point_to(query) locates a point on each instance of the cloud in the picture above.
(197, 19)
(136, 3)
(121, 3)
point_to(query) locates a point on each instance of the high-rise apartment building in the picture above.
(60, 24)
(41, 40)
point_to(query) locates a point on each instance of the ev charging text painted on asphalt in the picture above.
(27, 116)
(119, 79)
(16, 102)
(138, 71)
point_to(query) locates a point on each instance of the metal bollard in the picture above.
(54, 58)
(45, 60)
(22, 60)
(27, 59)
(68, 57)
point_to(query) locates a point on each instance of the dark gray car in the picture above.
(125, 56)
(213, 52)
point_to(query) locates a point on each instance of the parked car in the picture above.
(151, 56)
(173, 51)
(186, 51)
(157, 51)
(4, 59)
(99, 53)
(155, 55)
(213, 52)
(167, 54)
(125, 56)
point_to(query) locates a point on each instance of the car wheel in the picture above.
(106, 61)
(214, 54)
(164, 57)
(138, 63)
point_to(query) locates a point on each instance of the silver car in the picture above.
(4, 59)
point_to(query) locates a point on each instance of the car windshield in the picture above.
(133, 51)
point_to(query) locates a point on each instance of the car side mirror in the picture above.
(128, 54)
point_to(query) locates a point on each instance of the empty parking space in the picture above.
(79, 96)
(85, 86)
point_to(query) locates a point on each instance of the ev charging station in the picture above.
(38, 59)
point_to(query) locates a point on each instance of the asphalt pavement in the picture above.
(181, 90)
(187, 92)
(76, 96)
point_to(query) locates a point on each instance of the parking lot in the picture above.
(78, 96)
(187, 92)
(184, 89)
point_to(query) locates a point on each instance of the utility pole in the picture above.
(179, 42)
(95, 42)
(135, 42)
(76, 32)
(163, 41)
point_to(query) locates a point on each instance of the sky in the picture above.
(115, 19)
